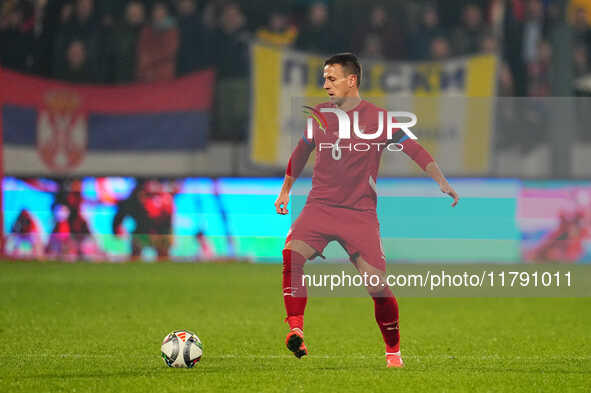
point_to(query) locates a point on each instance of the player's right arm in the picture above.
(296, 165)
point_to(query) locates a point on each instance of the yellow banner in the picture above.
(452, 100)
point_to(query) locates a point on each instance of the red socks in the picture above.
(386, 312)
(295, 294)
(295, 297)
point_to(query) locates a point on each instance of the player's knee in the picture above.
(375, 283)
(381, 292)
(375, 277)
(292, 261)
(376, 290)
(301, 248)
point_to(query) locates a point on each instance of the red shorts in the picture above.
(358, 232)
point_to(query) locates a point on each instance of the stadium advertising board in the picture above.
(554, 219)
(119, 218)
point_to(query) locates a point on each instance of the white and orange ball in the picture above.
(181, 349)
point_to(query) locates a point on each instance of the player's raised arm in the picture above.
(295, 166)
(435, 172)
(423, 159)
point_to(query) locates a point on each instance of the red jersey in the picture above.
(346, 177)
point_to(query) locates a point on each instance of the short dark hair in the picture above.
(349, 63)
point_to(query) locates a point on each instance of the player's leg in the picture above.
(295, 293)
(361, 240)
(303, 242)
(385, 310)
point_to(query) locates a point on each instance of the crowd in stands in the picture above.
(135, 41)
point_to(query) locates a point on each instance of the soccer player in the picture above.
(342, 203)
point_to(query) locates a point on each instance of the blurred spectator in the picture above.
(581, 60)
(17, 38)
(77, 69)
(232, 60)
(381, 37)
(157, 46)
(39, 15)
(553, 17)
(440, 49)
(539, 72)
(372, 48)
(47, 16)
(533, 29)
(211, 13)
(316, 35)
(488, 44)
(66, 12)
(78, 24)
(114, 9)
(99, 41)
(278, 31)
(582, 29)
(428, 31)
(575, 5)
(506, 87)
(513, 44)
(496, 17)
(107, 21)
(194, 49)
(467, 37)
(124, 43)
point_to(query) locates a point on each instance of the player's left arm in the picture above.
(422, 158)
(434, 171)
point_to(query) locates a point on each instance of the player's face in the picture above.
(338, 86)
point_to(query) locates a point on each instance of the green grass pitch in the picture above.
(98, 328)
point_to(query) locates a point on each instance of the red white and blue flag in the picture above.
(56, 127)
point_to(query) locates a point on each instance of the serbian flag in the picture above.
(52, 127)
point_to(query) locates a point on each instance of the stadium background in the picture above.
(158, 130)
(131, 138)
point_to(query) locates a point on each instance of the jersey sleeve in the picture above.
(299, 157)
(412, 148)
(305, 146)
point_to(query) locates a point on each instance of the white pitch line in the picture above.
(364, 357)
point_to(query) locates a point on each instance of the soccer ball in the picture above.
(181, 349)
